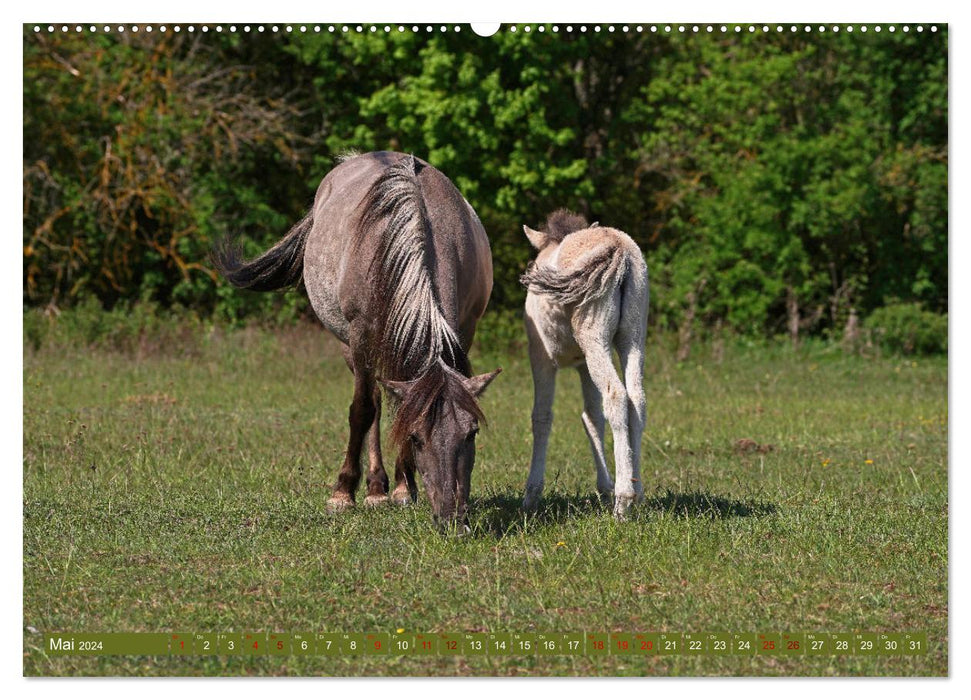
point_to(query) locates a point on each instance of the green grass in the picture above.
(183, 489)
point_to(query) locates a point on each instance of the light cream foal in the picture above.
(588, 294)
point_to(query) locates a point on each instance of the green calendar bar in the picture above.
(694, 644)
(744, 644)
(303, 644)
(512, 644)
(230, 644)
(475, 644)
(621, 644)
(500, 643)
(451, 644)
(646, 644)
(817, 644)
(841, 643)
(278, 644)
(328, 644)
(915, 643)
(254, 643)
(181, 644)
(670, 643)
(377, 644)
(111, 644)
(793, 643)
(718, 644)
(524, 644)
(596, 644)
(428, 644)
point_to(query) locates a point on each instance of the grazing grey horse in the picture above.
(398, 267)
(588, 294)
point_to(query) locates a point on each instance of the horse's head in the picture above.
(435, 426)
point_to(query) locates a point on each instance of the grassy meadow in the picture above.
(181, 486)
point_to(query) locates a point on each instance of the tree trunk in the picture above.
(792, 312)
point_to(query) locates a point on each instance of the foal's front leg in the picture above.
(544, 388)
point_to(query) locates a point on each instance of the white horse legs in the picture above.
(614, 394)
(632, 363)
(593, 423)
(544, 388)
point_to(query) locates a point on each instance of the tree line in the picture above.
(778, 183)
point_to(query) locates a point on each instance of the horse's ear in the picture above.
(537, 238)
(477, 384)
(396, 389)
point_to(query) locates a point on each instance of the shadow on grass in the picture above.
(501, 514)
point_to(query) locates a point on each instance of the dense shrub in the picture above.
(908, 329)
(774, 181)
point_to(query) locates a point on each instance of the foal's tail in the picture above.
(281, 266)
(600, 275)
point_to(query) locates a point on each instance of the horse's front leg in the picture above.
(377, 478)
(544, 389)
(405, 488)
(360, 417)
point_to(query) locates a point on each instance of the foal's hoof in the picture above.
(376, 501)
(338, 504)
(622, 504)
(532, 497)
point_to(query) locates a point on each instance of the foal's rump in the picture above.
(589, 265)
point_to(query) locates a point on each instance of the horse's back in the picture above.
(340, 259)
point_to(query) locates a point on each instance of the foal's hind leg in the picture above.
(593, 338)
(593, 423)
(377, 478)
(631, 351)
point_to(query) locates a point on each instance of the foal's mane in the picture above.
(412, 333)
(562, 222)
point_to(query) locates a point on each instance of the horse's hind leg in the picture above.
(360, 417)
(593, 423)
(405, 488)
(377, 478)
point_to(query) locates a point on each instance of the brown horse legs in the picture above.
(377, 478)
(360, 417)
(405, 488)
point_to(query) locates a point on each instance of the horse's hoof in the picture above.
(402, 498)
(338, 504)
(372, 501)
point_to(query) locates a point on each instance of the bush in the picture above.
(908, 329)
(139, 328)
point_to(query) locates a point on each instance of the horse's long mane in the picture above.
(412, 330)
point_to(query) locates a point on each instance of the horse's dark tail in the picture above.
(281, 266)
